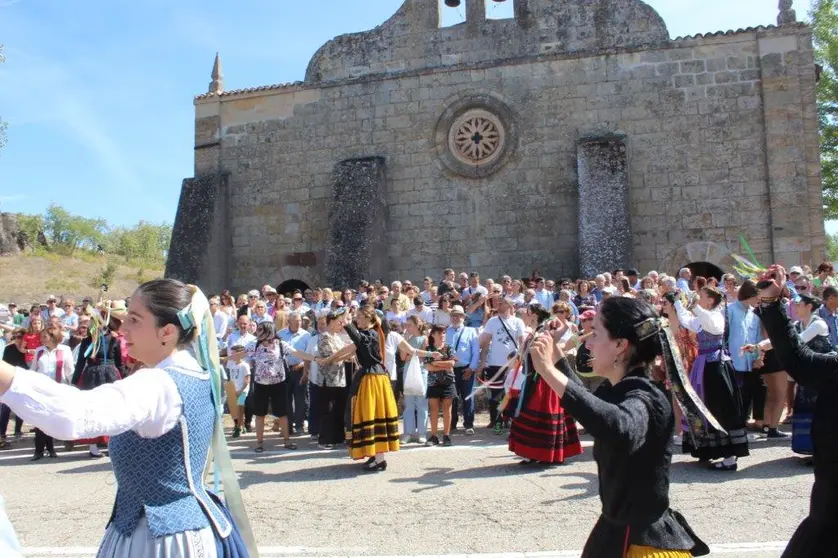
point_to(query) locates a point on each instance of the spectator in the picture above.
(297, 338)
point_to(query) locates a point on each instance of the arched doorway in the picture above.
(286, 288)
(706, 270)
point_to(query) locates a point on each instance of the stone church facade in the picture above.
(574, 138)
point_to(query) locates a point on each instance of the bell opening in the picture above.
(451, 12)
(500, 9)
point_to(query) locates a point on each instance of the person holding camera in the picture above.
(714, 379)
(473, 298)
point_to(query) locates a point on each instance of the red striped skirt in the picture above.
(544, 431)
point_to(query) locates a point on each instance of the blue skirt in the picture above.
(231, 546)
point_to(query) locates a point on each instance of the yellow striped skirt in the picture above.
(635, 551)
(375, 418)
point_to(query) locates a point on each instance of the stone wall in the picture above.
(200, 252)
(693, 113)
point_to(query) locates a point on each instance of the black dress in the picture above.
(632, 425)
(102, 368)
(816, 536)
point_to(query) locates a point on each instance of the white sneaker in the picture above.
(422, 440)
(677, 440)
(469, 431)
(406, 440)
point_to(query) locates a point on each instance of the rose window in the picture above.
(476, 137)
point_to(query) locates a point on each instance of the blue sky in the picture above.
(98, 93)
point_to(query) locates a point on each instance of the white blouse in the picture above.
(711, 321)
(146, 402)
(817, 326)
(46, 363)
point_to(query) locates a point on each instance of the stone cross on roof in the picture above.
(217, 83)
(787, 14)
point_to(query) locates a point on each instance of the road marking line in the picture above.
(296, 552)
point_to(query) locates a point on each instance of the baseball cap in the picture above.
(796, 269)
(52, 298)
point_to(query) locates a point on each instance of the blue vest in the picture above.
(161, 478)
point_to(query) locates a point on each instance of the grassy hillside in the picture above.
(28, 278)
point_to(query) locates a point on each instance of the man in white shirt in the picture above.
(501, 339)
(241, 335)
(52, 309)
(422, 310)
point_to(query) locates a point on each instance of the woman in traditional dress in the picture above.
(687, 345)
(816, 536)
(99, 359)
(542, 432)
(714, 379)
(632, 425)
(814, 332)
(372, 418)
(162, 421)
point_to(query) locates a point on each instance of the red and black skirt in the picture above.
(543, 431)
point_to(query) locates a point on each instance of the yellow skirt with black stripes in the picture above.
(375, 418)
(635, 551)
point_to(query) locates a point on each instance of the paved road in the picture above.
(472, 498)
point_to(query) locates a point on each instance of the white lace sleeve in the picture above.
(147, 402)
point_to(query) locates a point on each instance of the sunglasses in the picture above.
(800, 288)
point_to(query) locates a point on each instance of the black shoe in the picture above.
(777, 434)
(53, 454)
(446, 441)
(237, 432)
(369, 462)
(432, 441)
(37, 457)
(374, 467)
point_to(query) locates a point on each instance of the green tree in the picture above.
(70, 232)
(825, 30)
(832, 247)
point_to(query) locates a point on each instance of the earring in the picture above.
(163, 343)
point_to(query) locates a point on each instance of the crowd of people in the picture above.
(294, 357)
(346, 367)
